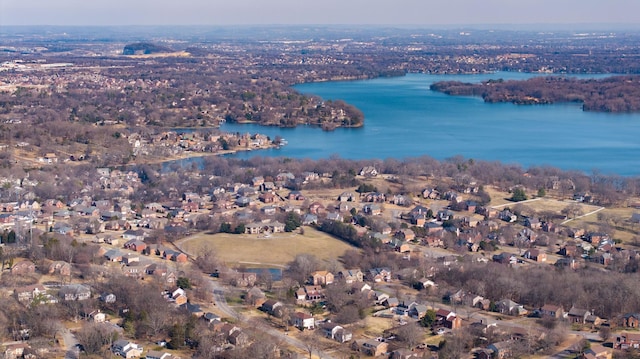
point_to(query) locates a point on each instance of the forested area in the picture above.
(613, 94)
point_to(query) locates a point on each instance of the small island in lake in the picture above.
(612, 94)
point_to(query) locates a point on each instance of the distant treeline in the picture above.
(613, 94)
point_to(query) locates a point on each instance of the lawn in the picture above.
(275, 250)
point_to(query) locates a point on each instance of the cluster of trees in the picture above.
(613, 94)
(610, 294)
(347, 233)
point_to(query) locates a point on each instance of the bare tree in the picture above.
(94, 336)
(410, 334)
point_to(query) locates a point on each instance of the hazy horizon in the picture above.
(417, 13)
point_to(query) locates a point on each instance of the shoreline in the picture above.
(192, 155)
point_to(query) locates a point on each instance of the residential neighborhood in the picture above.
(133, 225)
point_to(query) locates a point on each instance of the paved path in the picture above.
(70, 343)
(584, 215)
(514, 203)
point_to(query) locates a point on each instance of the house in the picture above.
(505, 258)
(391, 302)
(481, 302)
(368, 171)
(380, 297)
(553, 311)
(152, 354)
(417, 311)
(257, 181)
(501, 349)
(447, 319)
(133, 235)
(433, 228)
(401, 200)
(276, 227)
(378, 275)
(244, 279)
(445, 215)
(295, 196)
(313, 293)
(135, 245)
(347, 197)
(238, 338)
(424, 283)
(405, 354)
(627, 340)
(178, 297)
(303, 321)
(509, 307)
(113, 255)
(15, 351)
(192, 309)
(351, 275)
(631, 320)
(335, 216)
(126, 349)
(598, 351)
(430, 193)
(95, 316)
(535, 255)
(75, 292)
(578, 315)
(253, 228)
(321, 278)
(130, 258)
(270, 306)
(108, 298)
(174, 256)
(533, 223)
(255, 297)
(593, 320)
(316, 208)
(405, 234)
(309, 219)
(243, 201)
(209, 317)
(60, 267)
(399, 246)
(267, 197)
(27, 293)
(301, 295)
(507, 216)
(23, 268)
(268, 210)
(336, 332)
(375, 197)
(370, 347)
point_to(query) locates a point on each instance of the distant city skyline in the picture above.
(324, 12)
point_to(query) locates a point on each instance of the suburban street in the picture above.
(223, 306)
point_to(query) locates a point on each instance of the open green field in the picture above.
(276, 250)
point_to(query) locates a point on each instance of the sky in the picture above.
(318, 12)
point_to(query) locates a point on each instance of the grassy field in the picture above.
(278, 249)
(553, 205)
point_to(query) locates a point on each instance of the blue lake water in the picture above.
(403, 118)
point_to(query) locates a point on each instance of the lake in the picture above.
(404, 118)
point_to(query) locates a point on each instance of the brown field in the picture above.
(546, 204)
(278, 249)
(497, 197)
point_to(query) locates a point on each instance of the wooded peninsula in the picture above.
(612, 94)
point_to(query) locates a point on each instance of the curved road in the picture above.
(223, 306)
